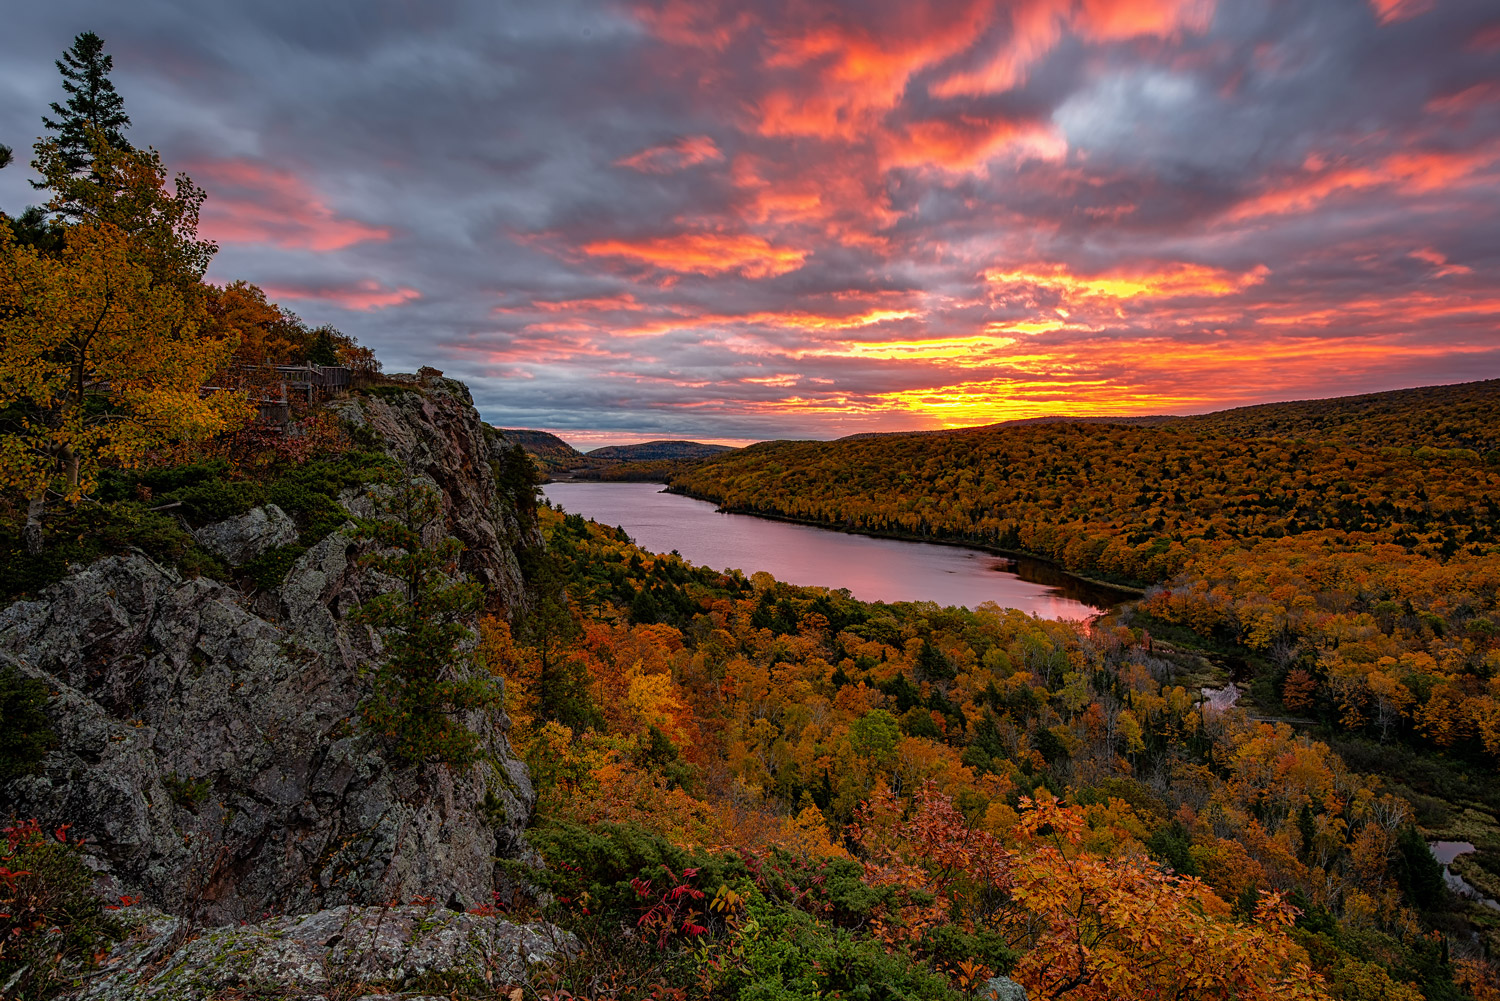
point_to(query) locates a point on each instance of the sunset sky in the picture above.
(757, 219)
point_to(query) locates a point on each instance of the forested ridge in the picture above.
(1365, 580)
(1443, 417)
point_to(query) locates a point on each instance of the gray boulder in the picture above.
(244, 537)
(1002, 989)
(340, 953)
(214, 759)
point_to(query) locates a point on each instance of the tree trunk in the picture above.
(70, 468)
(31, 535)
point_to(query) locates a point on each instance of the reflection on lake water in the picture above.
(872, 569)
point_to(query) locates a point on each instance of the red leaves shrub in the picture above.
(50, 919)
(672, 915)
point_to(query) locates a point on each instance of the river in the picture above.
(872, 569)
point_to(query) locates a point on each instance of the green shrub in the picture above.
(310, 492)
(94, 530)
(599, 861)
(782, 954)
(800, 930)
(26, 736)
(188, 793)
(952, 945)
(215, 500)
(1171, 844)
(270, 568)
(430, 676)
(128, 484)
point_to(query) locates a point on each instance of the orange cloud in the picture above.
(691, 23)
(666, 159)
(861, 66)
(962, 351)
(595, 304)
(705, 254)
(1038, 25)
(844, 200)
(1175, 281)
(1146, 375)
(966, 142)
(252, 203)
(1418, 172)
(364, 296)
(684, 319)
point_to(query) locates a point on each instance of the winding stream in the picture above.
(1445, 852)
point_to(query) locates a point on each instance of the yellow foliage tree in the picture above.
(99, 364)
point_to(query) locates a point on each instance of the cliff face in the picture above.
(208, 742)
(435, 433)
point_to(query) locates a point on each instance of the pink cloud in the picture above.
(364, 296)
(1439, 261)
(1391, 11)
(670, 157)
(252, 203)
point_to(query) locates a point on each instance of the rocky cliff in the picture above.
(486, 481)
(208, 741)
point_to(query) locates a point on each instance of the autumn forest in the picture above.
(288, 641)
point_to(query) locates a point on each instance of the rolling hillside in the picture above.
(653, 450)
(1465, 415)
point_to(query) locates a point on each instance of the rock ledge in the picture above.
(343, 952)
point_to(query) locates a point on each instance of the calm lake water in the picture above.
(872, 569)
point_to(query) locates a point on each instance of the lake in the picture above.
(872, 569)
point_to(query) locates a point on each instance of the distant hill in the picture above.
(653, 461)
(1147, 421)
(1463, 415)
(540, 444)
(651, 451)
(1152, 420)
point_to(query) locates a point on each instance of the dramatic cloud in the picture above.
(740, 219)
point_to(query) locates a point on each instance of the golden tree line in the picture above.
(1365, 577)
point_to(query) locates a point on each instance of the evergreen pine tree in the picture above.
(6, 156)
(431, 678)
(1307, 829)
(93, 108)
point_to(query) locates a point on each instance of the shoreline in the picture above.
(1128, 590)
